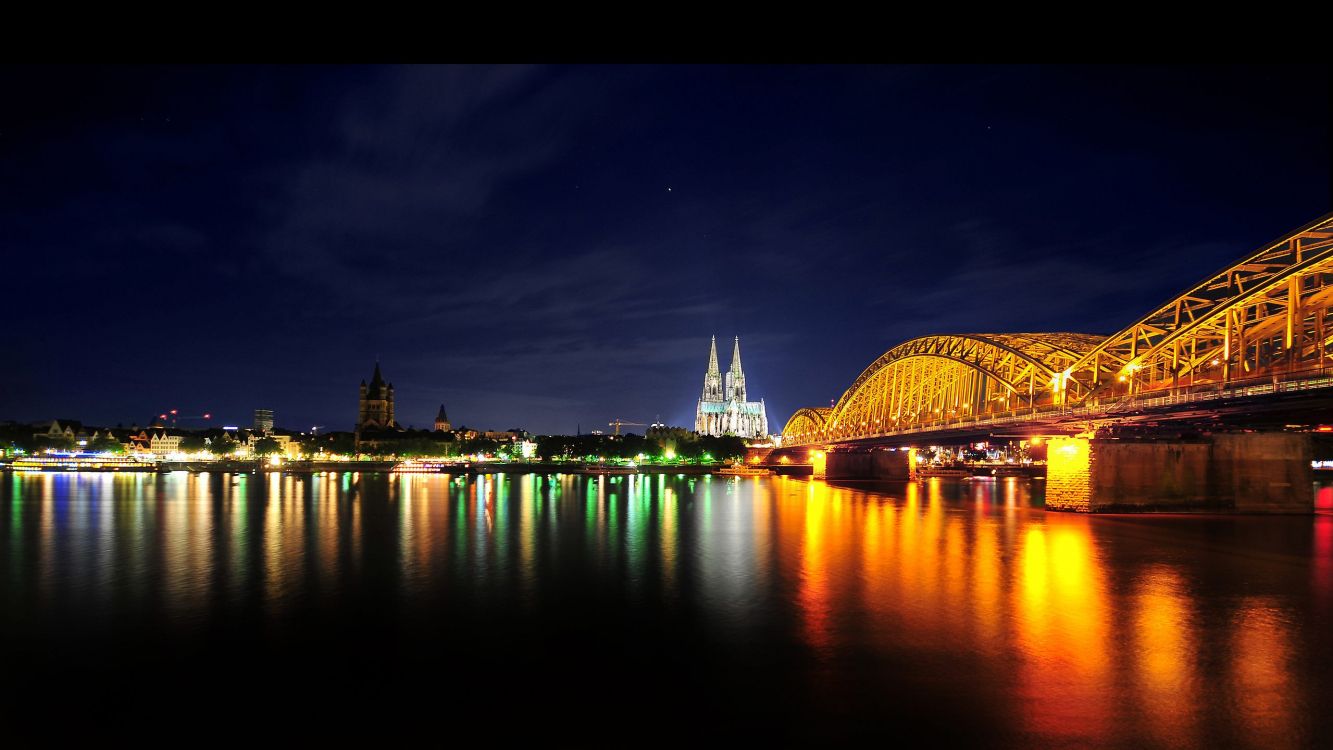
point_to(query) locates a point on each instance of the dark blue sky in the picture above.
(552, 247)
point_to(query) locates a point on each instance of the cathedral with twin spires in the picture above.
(723, 409)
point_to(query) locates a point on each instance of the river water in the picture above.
(625, 610)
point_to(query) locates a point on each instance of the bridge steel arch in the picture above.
(936, 378)
(807, 422)
(1265, 318)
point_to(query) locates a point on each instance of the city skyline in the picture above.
(547, 248)
(986, 405)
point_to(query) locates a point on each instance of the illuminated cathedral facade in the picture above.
(723, 408)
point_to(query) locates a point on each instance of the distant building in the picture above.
(375, 412)
(139, 442)
(264, 420)
(290, 448)
(376, 408)
(58, 430)
(509, 436)
(723, 408)
(442, 421)
(161, 444)
(62, 430)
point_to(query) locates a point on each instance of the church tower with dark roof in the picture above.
(442, 421)
(376, 407)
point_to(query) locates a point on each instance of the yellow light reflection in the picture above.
(1261, 680)
(1062, 631)
(1164, 657)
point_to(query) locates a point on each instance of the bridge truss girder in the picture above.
(806, 424)
(1266, 316)
(942, 378)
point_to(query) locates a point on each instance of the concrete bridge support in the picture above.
(792, 460)
(878, 463)
(1241, 472)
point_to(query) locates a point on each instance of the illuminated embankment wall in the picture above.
(1246, 472)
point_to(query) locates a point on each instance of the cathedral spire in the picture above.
(735, 388)
(712, 378)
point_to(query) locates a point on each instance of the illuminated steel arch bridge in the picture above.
(1259, 327)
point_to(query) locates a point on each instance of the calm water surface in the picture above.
(631, 609)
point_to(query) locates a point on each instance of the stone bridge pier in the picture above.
(1249, 472)
(871, 463)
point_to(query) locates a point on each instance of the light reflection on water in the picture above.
(1131, 631)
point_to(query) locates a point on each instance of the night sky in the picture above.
(550, 248)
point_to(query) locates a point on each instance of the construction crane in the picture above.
(175, 417)
(618, 423)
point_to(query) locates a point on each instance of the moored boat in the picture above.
(81, 462)
(943, 471)
(412, 466)
(739, 469)
(611, 470)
